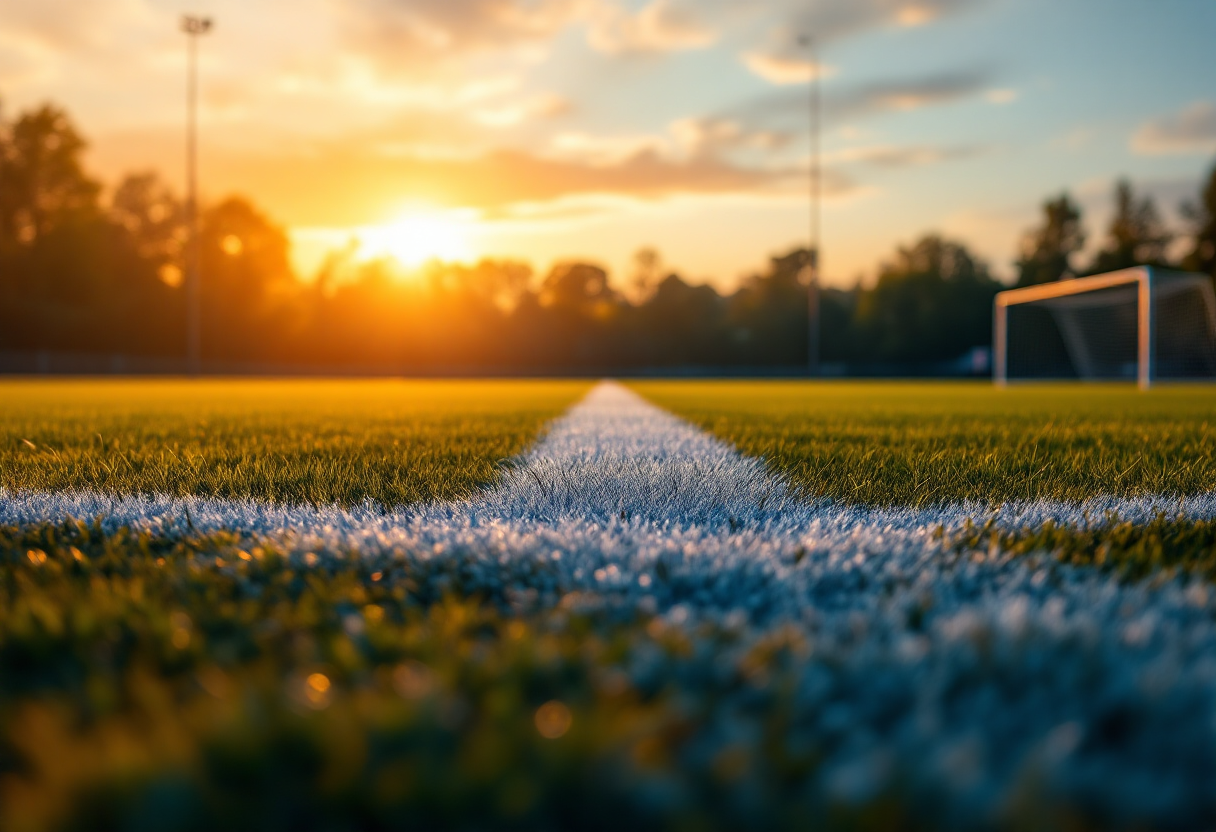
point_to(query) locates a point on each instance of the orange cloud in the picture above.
(412, 34)
(785, 70)
(44, 26)
(661, 26)
(356, 189)
(1191, 130)
(784, 59)
(507, 114)
(888, 156)
(712, 137)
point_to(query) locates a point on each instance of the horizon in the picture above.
(578, 129)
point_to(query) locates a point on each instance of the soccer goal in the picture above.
(1143, 324)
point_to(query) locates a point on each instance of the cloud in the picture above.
(785, 70)
(44, 26)
(419, 37)
(688, 139)
(606, 151)
(1192, 130)
(892, 157)
(713, 137)
(16, 68)
(912, 95)
(361, 105)
(509, 114)
(563, 209)
(660, 26)
(344, 188)
(42, 44)
(414, 33)
(352, 180)
(833, 21)
(870, 99)
(672, 25)
(779, 60)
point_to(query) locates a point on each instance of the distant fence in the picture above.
(48, 363)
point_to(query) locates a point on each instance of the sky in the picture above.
(554, 129)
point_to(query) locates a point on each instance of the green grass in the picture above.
(193, 685)
(183, 684)
(399, 442)
(1160, 548)
(320, 442)
(909, 444)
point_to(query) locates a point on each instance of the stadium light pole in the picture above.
(194, 27)
(813, 245)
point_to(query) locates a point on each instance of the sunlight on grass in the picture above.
(909, 444)
(319, 442)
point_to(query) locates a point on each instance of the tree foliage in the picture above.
(45, 185)
(1202, 217)
(933, 301)
(149, 211)
(1047, 250)
(1136, 236)
(72, 276)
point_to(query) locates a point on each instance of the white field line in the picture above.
(619, 492)
(612, 460)
(961, 676)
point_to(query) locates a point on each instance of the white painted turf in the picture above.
(969, 679)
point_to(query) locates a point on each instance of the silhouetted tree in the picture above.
(580, 306)
(1202, 217)
(247, 282)
(647, 263)
(932, 302)
(681, 325)
(1047, 250)
(1136, 236)
(838, 338)
(768, 314)
(70, 277)
(9, 195)
(79, 276)
(43, 176)
(154, 217)
(580, 288)
(500, 284)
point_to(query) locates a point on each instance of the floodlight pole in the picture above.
(194, 27)
(813, 259)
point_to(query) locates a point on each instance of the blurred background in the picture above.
(585, 186)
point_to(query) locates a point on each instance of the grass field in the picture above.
(318, 442)
(398, 443)
(615, 670)
(909, 444)
(192, 686)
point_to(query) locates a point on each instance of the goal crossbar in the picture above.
(1145, 283)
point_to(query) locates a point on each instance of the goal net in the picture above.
(1143, 324)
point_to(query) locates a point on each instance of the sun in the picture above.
(417, 238)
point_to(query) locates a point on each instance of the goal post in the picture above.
(1144, 324)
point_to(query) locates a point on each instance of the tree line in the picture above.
(87, 269)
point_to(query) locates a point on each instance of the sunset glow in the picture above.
(417, 238)
(594, 129)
